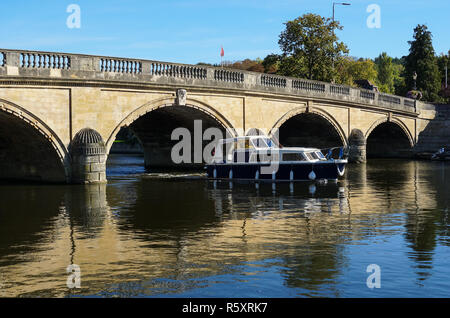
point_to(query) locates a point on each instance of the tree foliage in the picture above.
(350, 70)
(246, 65)
(399, 76)
(443, 62)
(309, 45)
(271, 63)
(422, 60)
(310, 49)
(385, 73)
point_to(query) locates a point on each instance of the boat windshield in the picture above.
(320, 155)
(317, 155)
(262, 142)
(242, 144)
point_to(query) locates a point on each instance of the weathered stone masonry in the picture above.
(57, 96)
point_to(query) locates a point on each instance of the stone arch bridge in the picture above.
(60, 113)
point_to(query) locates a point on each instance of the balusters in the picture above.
(228, 76)
(367, 94)
(267, 80)
(409, 102)
(182, 71)
(341, 90)
(308, 86)
(120, 66)
(42, 60)
(45, 60)
(2, 59)
(389, 99)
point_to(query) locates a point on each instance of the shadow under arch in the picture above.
(157, 122)
(389, 138)
(314, 113)
(29, 149)
(169, 102)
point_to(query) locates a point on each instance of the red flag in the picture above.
(222, 52)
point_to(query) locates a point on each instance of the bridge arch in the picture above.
(169, 102)
(31, 150)
(154, 122)
(320, 117)
(389, 137)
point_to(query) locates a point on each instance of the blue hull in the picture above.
(324, 170)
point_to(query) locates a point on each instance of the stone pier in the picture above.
(88, 154)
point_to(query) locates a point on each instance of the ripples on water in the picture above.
(178, 235)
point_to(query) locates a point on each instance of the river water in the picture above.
(175, 235)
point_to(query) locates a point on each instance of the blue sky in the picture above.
(191, 31)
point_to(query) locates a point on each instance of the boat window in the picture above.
(268, 157)
(310, 156)
(320, 155)
(293, 157)
(269, 142)
(259, 143)
(314, 155)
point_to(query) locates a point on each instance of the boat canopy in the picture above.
(261, 148)
(249, 142)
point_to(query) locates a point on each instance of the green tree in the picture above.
(350, 70)
(343, 71)
(310, 45)
(422, 60)
(443, 62)
(385, 73)
(271, 63)
(399, 76)
(246, 65)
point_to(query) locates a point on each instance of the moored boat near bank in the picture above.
(441, 154)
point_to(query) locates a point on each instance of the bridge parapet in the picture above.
(2, 59)
(34, 65)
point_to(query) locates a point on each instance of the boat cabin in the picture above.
(253, 149)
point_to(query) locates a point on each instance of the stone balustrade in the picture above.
(340, 90)
(44, 60)
(270, 80)
(409, 102)
(43, 65)
(2, 59)
(366, 94)
(306, 85)
(120, 66)
(226, 75)
(176, 70)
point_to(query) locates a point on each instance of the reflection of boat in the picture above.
(442, 154)
(257, 158)
(263, 198)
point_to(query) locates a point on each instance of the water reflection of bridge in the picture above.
(136, 229)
